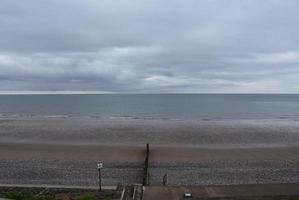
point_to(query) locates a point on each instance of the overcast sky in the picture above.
(154, 46)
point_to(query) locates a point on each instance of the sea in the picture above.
(153, 106)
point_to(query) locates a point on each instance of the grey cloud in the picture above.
(149, 46)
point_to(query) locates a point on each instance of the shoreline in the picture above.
(283, 120)
(188, 133)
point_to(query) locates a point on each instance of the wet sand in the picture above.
(65, 152)
(189, 133)
(29, 151)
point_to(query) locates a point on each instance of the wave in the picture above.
(294, 118)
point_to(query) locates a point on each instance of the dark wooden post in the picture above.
(147, 149)
(145, 170)
(165, 179)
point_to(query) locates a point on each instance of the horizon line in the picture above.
(108, 92)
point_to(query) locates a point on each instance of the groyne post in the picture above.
(145, 180)
(165, 177)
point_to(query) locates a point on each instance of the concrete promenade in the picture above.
(175, 193)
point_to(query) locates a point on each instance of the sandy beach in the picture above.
(184, 133)
(65, 152)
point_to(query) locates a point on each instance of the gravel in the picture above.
(84, 173)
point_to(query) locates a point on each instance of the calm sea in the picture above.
(153, 106)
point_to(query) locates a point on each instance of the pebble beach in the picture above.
(65, 151)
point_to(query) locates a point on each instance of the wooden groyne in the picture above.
(135, 192)
(145, 180)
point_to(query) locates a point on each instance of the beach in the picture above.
(59, 151)
(138, 132)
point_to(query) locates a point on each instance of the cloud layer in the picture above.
(150, 46)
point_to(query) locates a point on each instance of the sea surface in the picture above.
(153, 106)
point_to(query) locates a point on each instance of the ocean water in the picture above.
(153, 106)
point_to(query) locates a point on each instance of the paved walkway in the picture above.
(57, 186)
(175, 193)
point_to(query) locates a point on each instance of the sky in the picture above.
(149, 46)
